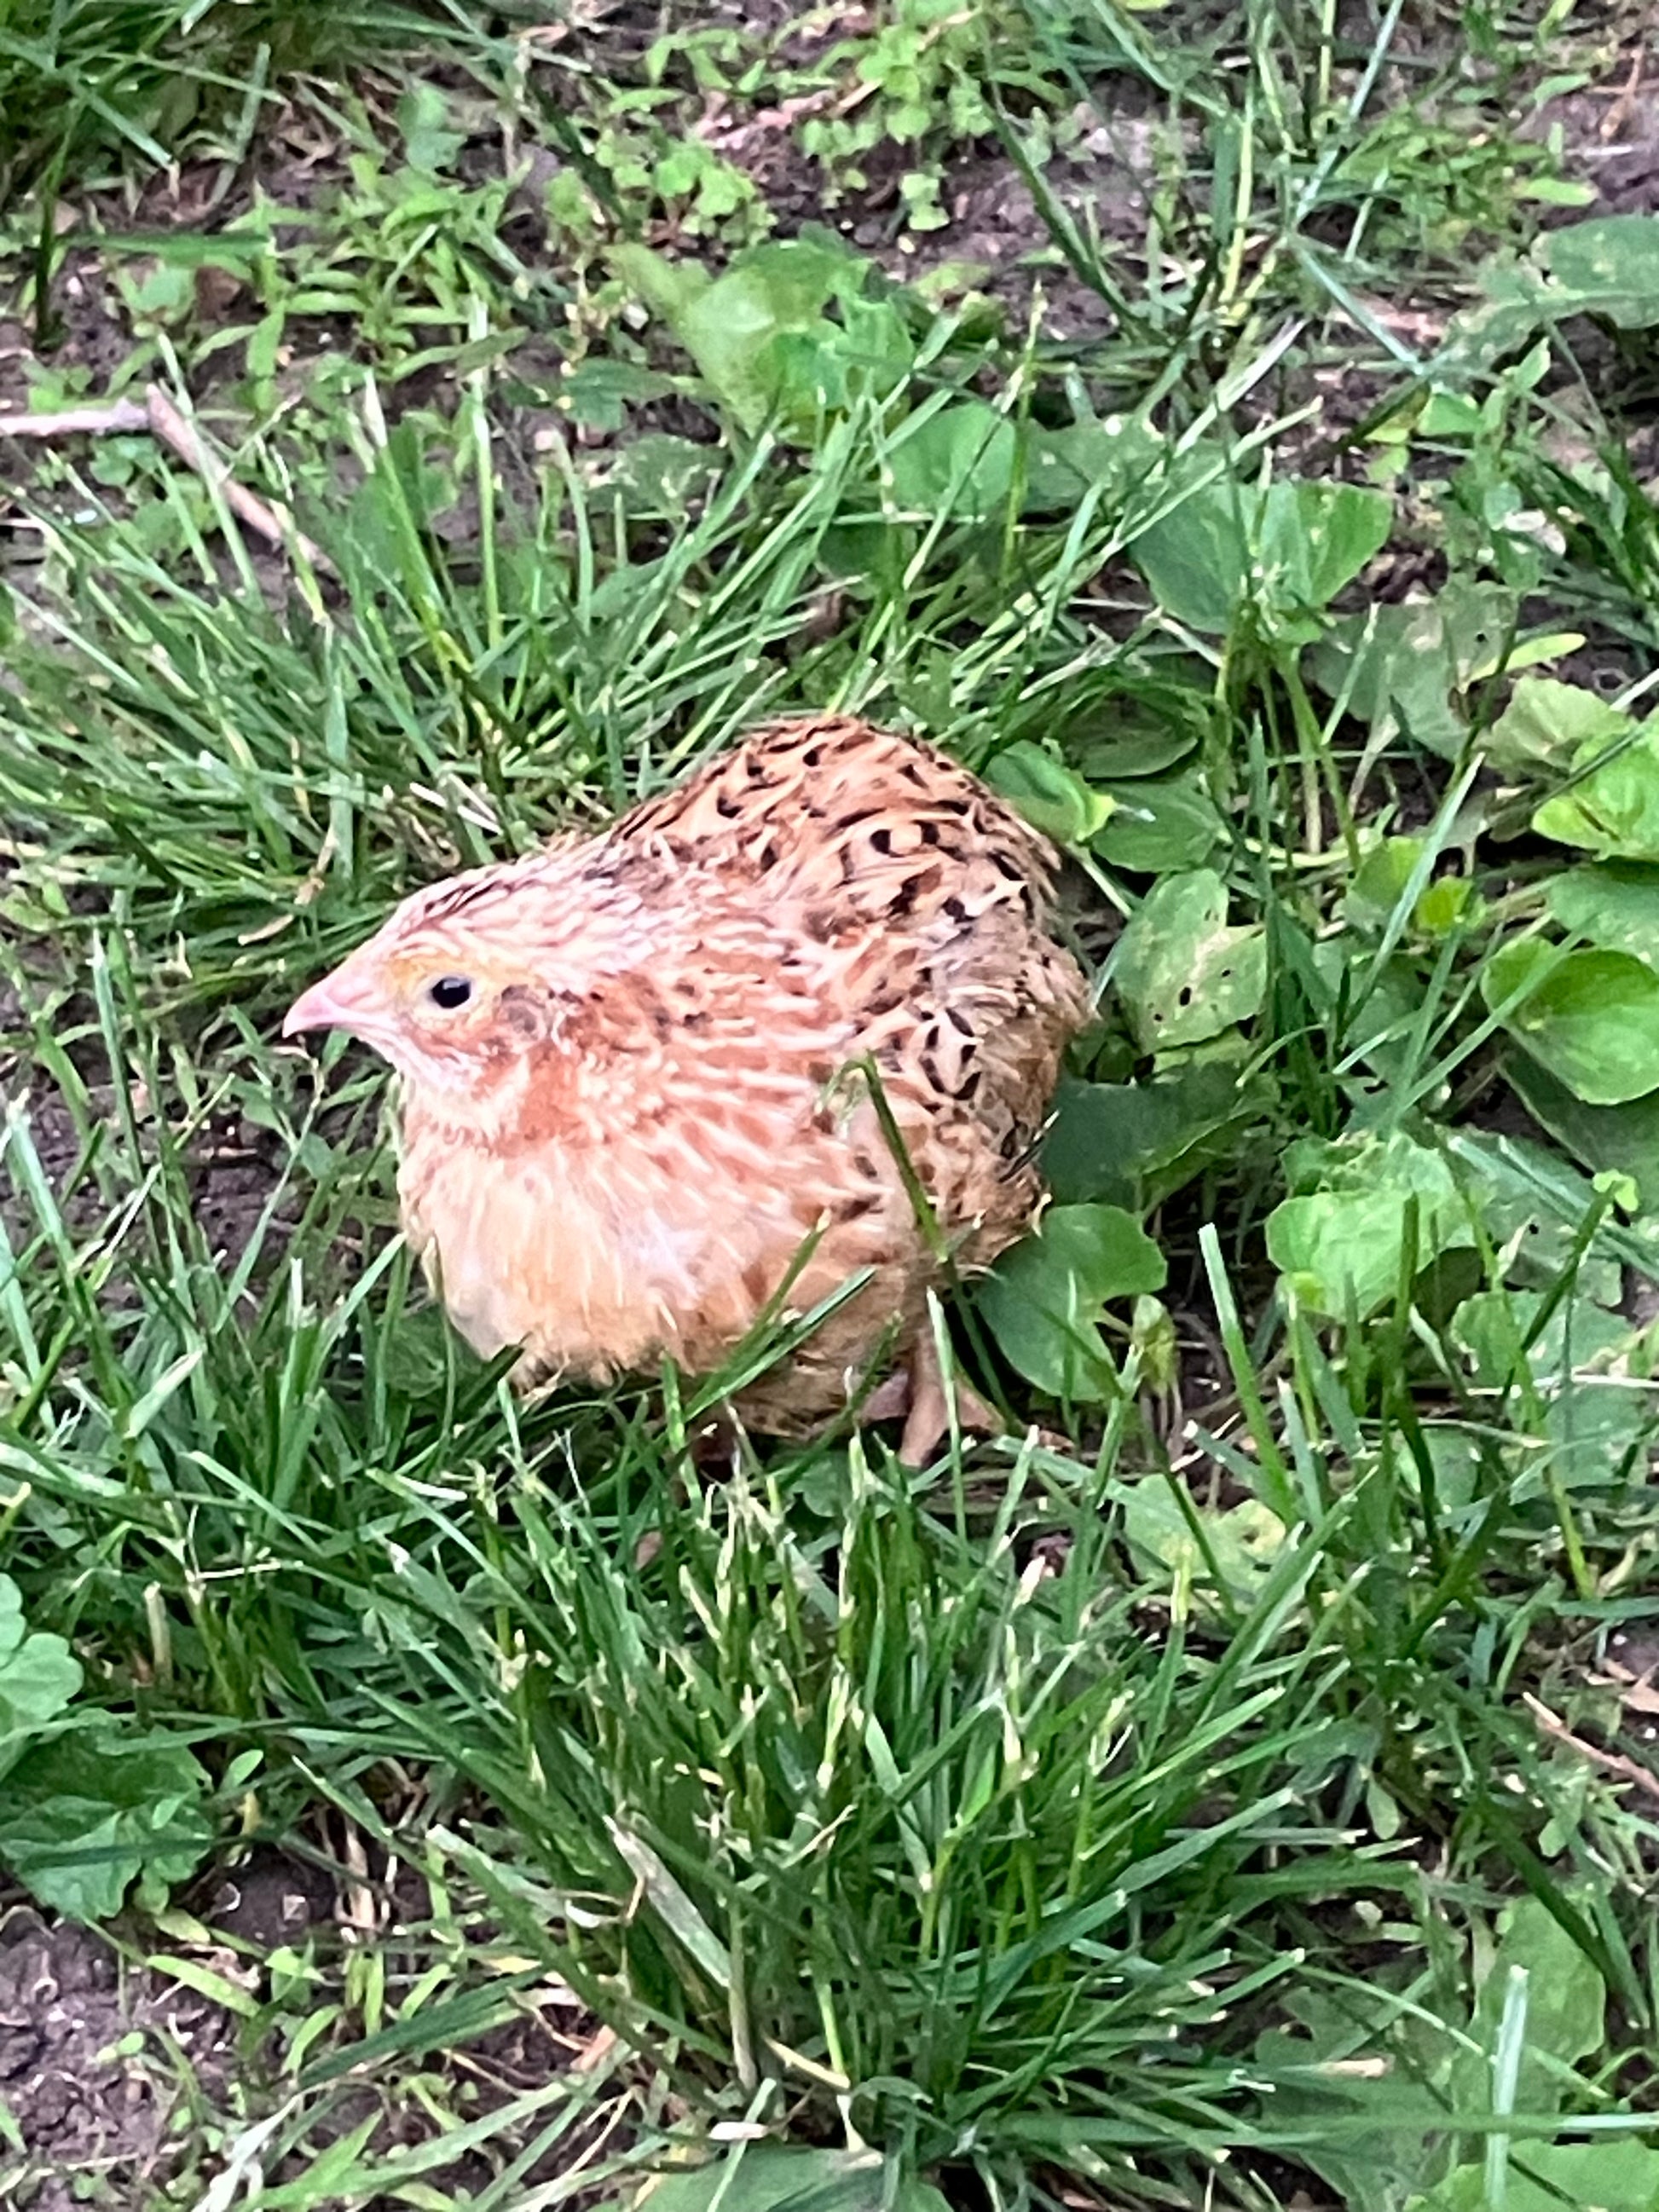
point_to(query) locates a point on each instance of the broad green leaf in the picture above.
(1044, 1299)
(1052, 797)
(1613, 811)
(1624, 1139)
(731, 330)
(1133, 1144)
(1341, 1250)
(1183, 974)
(1449, 415)
(1592, 1017)
(1290, 547)
(1615, 906)
(39, 1677)
(1159, 824)
(1547, 727)
(1527, 1191)
(653, 476)
(1612, 263)
(957, 461)
(1616, 2174)
(1593, 1427)
(1598, 1434)
(1107, 455)
(430, 141)
(598, 392)
(772, 2177)
(1378, 884)
(1395, 2140)
(84, 1817)
(1446, 902)
(1400, 668)
(1381, 880)
(1400, 2153)
(732, 325)
(1320, 536)
(1196, 558)
(1141, 728)
(1607, 267)
(1492, 1328)
(667, 287)
(1243, 1541)
(1342, 1246)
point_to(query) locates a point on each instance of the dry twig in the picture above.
(1612, 1762)
(164, 421)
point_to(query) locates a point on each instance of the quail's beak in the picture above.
(339, 1002)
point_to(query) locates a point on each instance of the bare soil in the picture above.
(92, 2055)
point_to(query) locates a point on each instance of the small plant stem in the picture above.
(1279, 1491)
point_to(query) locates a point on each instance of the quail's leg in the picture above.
(917, 1391)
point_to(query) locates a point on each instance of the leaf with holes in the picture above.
(1400, 669)
(1044, 1299)
(1182, 974)
(1592, 1017)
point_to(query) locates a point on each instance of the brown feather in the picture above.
(616, 1148)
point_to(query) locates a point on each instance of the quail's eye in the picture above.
(450, 992)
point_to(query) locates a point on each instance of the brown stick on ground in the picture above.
(1612, 1762)
(273, 523)
(75, 421)
(163, 420)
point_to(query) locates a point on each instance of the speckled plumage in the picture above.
(618, 1147)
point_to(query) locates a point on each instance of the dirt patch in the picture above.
(1610, 138)
(98, 2054)
(271, 1899)
(232, 1167)
(94, 2056)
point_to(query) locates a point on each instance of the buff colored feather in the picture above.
(628, 1066)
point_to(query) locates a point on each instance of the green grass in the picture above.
(1210, 1796)
(86, 85)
